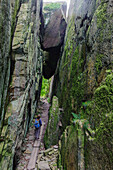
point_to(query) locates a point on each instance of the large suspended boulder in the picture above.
(52, 41)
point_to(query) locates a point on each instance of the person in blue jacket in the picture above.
(37, 124)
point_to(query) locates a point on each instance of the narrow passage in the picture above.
(30, 143)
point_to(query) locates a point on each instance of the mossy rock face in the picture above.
(84, 73)
(72, 82)
(86, 57)
(68, 149)
(53, 132)
(100, 114)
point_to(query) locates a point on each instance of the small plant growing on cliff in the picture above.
(76, 116)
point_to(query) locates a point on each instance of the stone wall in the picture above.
(25, 82)
(7, 11)
(84, 76)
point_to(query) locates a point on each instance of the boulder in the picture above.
(43, 165)
(52, 41)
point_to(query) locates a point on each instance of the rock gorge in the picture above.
(78, 52)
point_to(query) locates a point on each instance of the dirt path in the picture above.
(28, 145)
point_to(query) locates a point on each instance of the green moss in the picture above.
(77, 76)
(101, 14)
(98, 63)
(100, 115)
(68, 149)
(52, 132)
(102, 17)
(1, 147)
(72, 74)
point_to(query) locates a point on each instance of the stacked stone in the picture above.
(47, 159)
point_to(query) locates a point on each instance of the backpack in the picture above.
(36, 124)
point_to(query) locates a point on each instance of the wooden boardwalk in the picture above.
(34, 154)
(31, 148)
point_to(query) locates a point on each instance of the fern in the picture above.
(76, 116)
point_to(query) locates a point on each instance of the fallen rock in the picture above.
(46, 152)
(27, 152)
(52, 152)
(39, 158)
(55, 146)
(43, 165)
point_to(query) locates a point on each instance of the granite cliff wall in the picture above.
(83, 82)
(21, 65)
(8, 12)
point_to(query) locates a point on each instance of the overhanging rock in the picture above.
(52, 41)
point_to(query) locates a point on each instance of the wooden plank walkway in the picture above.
(34, 154)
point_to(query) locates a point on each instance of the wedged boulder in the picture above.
(52, 41)
(55, 30)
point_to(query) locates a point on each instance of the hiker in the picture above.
(37, 124)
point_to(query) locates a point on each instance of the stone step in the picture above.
(43, 165)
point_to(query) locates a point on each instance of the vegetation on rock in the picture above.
(52, 6)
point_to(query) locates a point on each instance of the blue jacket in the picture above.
(37, 123)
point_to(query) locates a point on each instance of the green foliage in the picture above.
(76, 116)
(45, 87)
(48, 99)
(86, 103)
(52, 6)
